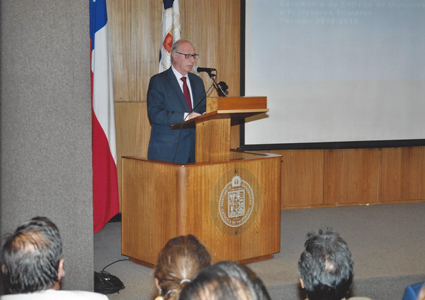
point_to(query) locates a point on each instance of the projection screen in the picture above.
(336, 71)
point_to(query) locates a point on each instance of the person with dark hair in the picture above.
(178, 263)
(33, 263)
(173, 96)
(225, 280)
(326, 266)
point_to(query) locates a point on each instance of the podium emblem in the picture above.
(236, 202)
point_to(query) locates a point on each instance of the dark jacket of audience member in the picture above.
(178, 263)
(225, 280)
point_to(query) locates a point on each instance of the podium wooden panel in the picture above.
(230, 200)
(162, 201)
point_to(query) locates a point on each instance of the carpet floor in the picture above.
(387, 243)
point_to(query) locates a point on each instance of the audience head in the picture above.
(225, 280)
(326, 266)
(178, 263)
(32, 257)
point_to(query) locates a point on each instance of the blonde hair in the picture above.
(178, 262)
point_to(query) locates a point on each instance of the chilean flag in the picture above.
(105, 182)
(170, 31)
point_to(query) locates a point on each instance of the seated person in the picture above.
(412, 291)
(326, 266)
(225, 280)
(178, 263)
(33, 263)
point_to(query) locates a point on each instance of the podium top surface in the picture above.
(234, 108)
(236, 103)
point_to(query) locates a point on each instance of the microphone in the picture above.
(222, 89)
(201, 69)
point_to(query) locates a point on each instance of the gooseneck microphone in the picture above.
(206, 70)
(222, 92)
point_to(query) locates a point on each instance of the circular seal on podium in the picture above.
(235, 201)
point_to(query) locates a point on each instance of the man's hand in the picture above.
(193, 115)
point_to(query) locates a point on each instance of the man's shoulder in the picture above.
(193, 76)
(161, 79)
(53, 294)
(163, 74)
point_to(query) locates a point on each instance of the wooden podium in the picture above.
(228, 199)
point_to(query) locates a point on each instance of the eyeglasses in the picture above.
(187, 56)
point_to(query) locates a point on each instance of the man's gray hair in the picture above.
(176, 45)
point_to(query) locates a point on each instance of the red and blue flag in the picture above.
(104, 154)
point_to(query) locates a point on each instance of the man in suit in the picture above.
(172, 95)
(32, 264)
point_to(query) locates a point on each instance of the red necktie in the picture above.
(186, 93)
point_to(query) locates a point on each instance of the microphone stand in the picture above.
(212, 76)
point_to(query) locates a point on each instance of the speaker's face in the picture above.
(182, 64)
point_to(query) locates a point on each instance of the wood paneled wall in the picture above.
(403, 174)
(135, 34)
(320, 178)
(214, 28)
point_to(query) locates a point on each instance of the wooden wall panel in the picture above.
(130, 138)
(319, 178)
(214, 29)
(351, 176)
(403, 174)
(302, 178)
(135, 35)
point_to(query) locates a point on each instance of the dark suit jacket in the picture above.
(166, 106)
